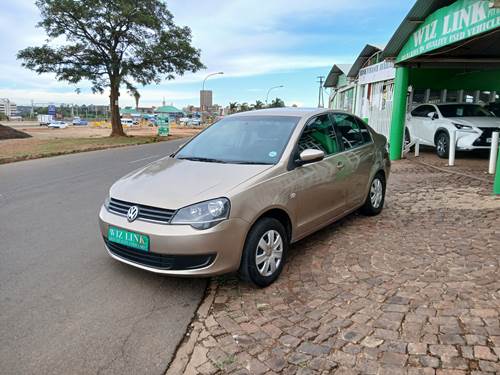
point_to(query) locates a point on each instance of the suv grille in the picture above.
(487, 133)
(160, 261)
(147, 213)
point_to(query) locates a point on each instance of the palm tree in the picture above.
(233, 107)
(258, 104)
(137, 96)
(244, 107)
(276, 103)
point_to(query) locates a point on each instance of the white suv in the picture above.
(433, 124)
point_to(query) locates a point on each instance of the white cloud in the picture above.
(149, 97)
(239, 37)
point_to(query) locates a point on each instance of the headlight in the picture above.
(462, 127)
(106, 202)
(203, 215)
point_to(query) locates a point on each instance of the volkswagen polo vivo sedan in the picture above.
(238, 194)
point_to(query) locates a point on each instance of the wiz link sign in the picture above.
(461, 20)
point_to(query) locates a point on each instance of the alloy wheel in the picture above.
(376, 193)
(269, 253)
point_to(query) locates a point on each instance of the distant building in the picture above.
(205, 99)
(170, 110)
(7, 107)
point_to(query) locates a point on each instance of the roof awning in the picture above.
(333, 77)
(364, 55)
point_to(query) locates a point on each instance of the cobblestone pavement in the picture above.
(415, 290)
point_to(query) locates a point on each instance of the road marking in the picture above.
(138, 160)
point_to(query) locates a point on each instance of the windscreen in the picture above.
(465, 110)
(242, 140)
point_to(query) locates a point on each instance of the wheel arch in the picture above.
(279, 214)
(439, 131)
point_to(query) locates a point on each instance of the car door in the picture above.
(359, 156)
(426, 126)
(320, 191)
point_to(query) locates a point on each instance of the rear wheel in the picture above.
(264, 252)
(442, 145)
(376, 196)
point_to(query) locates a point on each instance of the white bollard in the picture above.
(417, 147)
(451, 153)
(493, 153)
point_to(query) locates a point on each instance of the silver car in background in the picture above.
(239, 193)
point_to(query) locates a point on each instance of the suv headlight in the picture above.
(462, 127)
(106, 202)
(203, 215)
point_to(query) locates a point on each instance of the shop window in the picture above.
(435, 96)
(418, 96)
(452, 96)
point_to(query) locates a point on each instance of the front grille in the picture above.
(487, 133)
(148, 213)
(160, 261)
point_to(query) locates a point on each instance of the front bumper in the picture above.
(216, 250)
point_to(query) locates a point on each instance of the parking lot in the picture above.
(414, 290)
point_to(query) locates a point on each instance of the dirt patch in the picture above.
(6, 132)
(46, 142)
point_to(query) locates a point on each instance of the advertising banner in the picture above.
(459, 21)
(377, 72)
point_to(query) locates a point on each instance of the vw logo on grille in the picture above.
(132, 213)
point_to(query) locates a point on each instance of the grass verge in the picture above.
(24, 149)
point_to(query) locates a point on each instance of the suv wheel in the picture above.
(264, 252)
(442, 145)
(407, 137)
(376, 196)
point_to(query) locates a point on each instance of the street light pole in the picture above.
(272, 88)
(203, 85)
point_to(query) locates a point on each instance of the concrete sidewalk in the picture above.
(415, 290)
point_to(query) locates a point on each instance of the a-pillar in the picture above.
(398, 112)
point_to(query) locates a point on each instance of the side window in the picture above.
(367, 138)
(349, 130)
(319, 134)
(417, 112)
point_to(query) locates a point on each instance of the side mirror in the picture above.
(310, 156)
(433, 115)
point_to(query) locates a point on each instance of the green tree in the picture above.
(137, 96)
(111, 44)
(258, 104)
(244, 107)
(233, 107)
(277, 103)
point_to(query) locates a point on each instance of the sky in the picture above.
(257, 44)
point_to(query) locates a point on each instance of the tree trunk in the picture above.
(116, 124)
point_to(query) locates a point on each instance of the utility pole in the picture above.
(321, 103)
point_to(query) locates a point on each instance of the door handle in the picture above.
(340, 165)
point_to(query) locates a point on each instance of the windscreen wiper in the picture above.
(207, 160)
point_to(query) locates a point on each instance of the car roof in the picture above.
(287, 111)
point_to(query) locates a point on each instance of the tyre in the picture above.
(407, 137)
(376, 196)
(264, 253)
(442, 145)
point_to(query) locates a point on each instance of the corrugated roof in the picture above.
(167, 109)
(418, 13)
(333, 77)
(365, 54)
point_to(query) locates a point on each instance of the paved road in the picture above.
(65, 306)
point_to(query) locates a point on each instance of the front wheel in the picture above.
(264, 252)
(376, 196)
(443, 145)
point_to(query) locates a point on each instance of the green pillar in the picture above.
(398, 112)
(496, 184)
